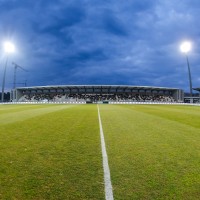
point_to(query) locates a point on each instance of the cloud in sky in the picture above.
(101, 42)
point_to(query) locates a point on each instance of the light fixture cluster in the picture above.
(9, 47)
(185, 47)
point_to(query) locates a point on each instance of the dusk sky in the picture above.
(101, 42)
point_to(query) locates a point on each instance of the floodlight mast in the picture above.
(8, 48)
(4, 78)
(185, 48)
(189, 74)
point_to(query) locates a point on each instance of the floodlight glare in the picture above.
(185, 47)
(9, 47)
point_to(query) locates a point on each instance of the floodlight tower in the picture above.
(185, 48)
(8, 48)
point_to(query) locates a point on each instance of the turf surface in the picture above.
(50, 152)
(154, 151)
(54, 152)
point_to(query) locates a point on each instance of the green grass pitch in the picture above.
(54, 151)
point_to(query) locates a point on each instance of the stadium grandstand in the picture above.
(96, 94)
(194, 99)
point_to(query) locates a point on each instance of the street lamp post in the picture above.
(185, 48)
(8, 48)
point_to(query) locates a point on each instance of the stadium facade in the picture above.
(107, 93)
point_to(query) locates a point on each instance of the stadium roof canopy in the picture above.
(123, 87)
(17, 93)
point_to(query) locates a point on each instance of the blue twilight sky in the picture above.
(132, 42)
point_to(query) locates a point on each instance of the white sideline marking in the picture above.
(107, 179)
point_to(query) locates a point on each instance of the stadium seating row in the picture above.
(95, 98)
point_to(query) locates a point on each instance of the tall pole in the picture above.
(14, 83)
(189, 73)
(8, 48)
(4, 78)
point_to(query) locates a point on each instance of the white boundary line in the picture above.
(107, 179)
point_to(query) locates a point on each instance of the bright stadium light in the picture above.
(8, 48)
(185, 48)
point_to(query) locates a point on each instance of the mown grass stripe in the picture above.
(29, 112)
(107, 179)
